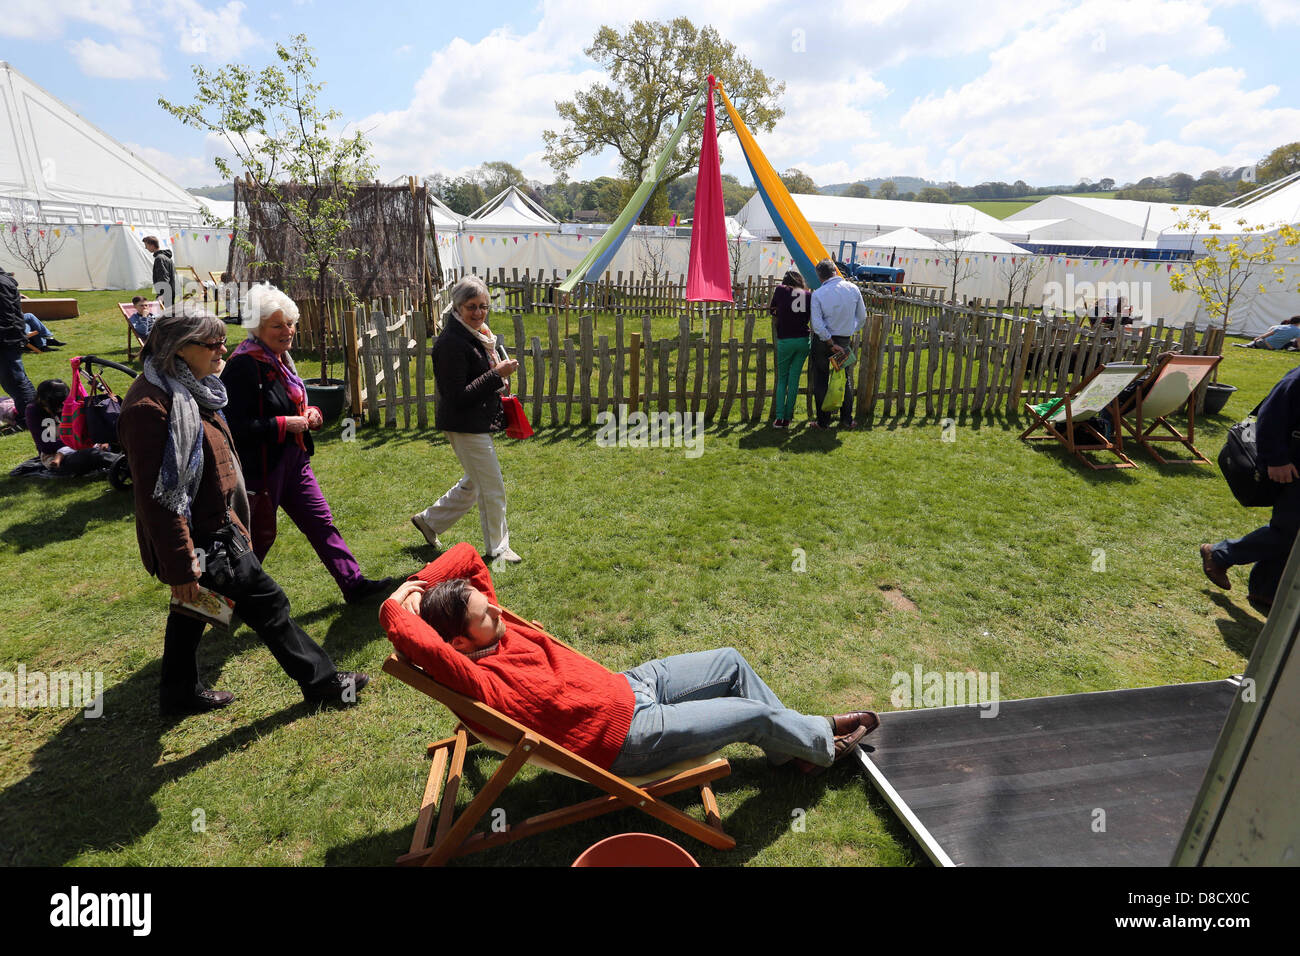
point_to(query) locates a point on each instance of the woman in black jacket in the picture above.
(272, 425)
(471, 375)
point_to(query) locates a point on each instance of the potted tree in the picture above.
(305, 174)
(1228, 277)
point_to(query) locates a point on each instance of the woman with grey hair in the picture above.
(272, 425)
(472, 373)
(191, 515)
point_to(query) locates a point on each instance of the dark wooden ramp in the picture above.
(1024, 788)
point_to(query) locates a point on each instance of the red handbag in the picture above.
(516, 421)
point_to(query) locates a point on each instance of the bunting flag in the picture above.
(806, 249)
(708, 274)
(602, 253)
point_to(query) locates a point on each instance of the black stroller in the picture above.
(91, 412)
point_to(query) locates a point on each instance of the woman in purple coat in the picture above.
(272, 424)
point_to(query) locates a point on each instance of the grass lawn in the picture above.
(1017, 560)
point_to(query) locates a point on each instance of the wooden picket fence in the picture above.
(917, 355)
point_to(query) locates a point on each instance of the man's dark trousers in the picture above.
(259, 603)
(820, 367)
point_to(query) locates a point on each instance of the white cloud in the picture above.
(112, 62)
(46, 19)
(185, 170)
(218, 33)
(1078, 95)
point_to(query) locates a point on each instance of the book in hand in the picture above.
(210, 607)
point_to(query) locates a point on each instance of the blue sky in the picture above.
(1047, 90)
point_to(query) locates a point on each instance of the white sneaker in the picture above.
(507, 555)
(423, 527)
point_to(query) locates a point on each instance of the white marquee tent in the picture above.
(837, 218)
(59, 171)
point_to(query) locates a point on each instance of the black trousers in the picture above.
(820, 370)
(85, 460)
(233, 570)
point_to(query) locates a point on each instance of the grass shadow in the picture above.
(1241, 627)
(91, 786)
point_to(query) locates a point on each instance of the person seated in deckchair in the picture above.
(661, 712)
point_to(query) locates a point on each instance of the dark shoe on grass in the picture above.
(1216, 572)
(847, 723)
(341, 689)
(200, 703)
(370, 588)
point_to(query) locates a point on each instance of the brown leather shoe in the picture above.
(1216, 572)
(847, 723)
(845, 744)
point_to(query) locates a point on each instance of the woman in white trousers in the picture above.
(471, 377)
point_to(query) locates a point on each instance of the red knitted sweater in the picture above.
(532, 679)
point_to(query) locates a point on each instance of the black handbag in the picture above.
(1239, 462)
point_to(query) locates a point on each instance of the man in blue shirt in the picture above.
(1277, 337)
(837, 312)
(1267, 548)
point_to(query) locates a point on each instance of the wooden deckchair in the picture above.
(132, 336)
(453, 836)
(1172, 386)
(1092, 397)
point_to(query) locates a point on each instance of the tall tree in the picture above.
(858, 191)
(797, 181)
(1281, 162)
(655, 69)
(887, 190)
(291, 152)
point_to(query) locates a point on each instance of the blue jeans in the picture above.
(689, 705)
(43, 334)
(1267, 548)
(14, 380)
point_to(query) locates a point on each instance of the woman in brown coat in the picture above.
(192, 519)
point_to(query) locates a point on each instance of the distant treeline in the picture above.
(601, 199)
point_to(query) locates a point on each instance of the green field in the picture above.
(1016, 560)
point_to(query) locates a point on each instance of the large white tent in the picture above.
(1101, 220)
(839, 218)
(508, 211)
(902, 238)
(59, 171)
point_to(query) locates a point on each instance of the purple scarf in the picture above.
(284, 369)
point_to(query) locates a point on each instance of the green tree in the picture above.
(1210, 194)
(797, 181)
(858, 191)
(1181, 186)
(1281, 162)
(887, 190)
(655, 70)
(498, 175)
(282, 138)
(931, 194)
(1229, 276)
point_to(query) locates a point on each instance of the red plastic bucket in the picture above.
(635, 849)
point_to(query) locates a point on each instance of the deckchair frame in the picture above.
(1143, 432)
(1115, 447)
(132, 336)
(434, 844)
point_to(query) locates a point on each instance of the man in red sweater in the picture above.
(447, 621)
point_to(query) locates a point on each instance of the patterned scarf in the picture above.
(284, 369)
(182, 461)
